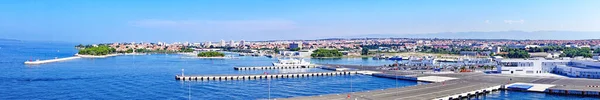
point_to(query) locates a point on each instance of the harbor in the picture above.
(256, 88)
(440, 85)
(462, 85)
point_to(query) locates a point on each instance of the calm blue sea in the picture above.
(152, 77)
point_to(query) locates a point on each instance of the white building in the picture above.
(579, 69)
(208, 44)
(222, 43)
(528, 66)
(232, 43)
(421, 61)
(242, 43)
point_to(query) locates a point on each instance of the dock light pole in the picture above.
(269, 85)
(396, 80)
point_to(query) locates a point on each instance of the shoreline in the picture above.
(95, 56)
(211, 57)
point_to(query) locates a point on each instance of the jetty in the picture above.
(274, 67)
(77, 56)
(440, 86)
(262, 76)
(36, 62)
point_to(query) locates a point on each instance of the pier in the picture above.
(50, 60)
(455, 86)
(263, 76)
(273, 67)
(441, 86)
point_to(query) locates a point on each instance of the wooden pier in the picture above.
(263, 76)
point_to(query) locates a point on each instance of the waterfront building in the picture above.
(421, 61)
(475, 53)
(528, 66)
(580, 69)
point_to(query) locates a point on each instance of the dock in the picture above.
(262, 76)
(434, 91)
(453, 86)
(37, 62)
(273, 67)
(441, 86)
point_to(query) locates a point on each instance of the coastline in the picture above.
(225, 57)
(188, 54)
(95, 56)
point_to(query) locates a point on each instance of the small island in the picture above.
(324, 53)
(97, 51)
(211, 54)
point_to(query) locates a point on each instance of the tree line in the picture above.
(326, 53)
(211, 54)
(99, 50)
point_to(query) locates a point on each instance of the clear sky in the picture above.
(213, 20)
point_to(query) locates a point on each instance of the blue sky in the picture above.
(213, 20)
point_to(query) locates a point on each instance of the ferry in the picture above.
(380, 56)
(395, 58)
(291, 62)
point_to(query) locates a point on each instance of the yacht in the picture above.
(291, 62)
(269, 55)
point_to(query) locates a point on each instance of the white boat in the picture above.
(291, 62)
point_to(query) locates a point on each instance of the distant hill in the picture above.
(1, 39)
(518, 35)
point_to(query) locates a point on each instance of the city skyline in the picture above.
(197, 21)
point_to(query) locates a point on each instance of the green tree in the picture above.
(574, 52)
(140, 50)
(365, 51)
(99, 50)
(276, 50)
(326, 53)
(80, 46)
(295, 49)
(129, 51)
(187, 50)
(211, 54)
